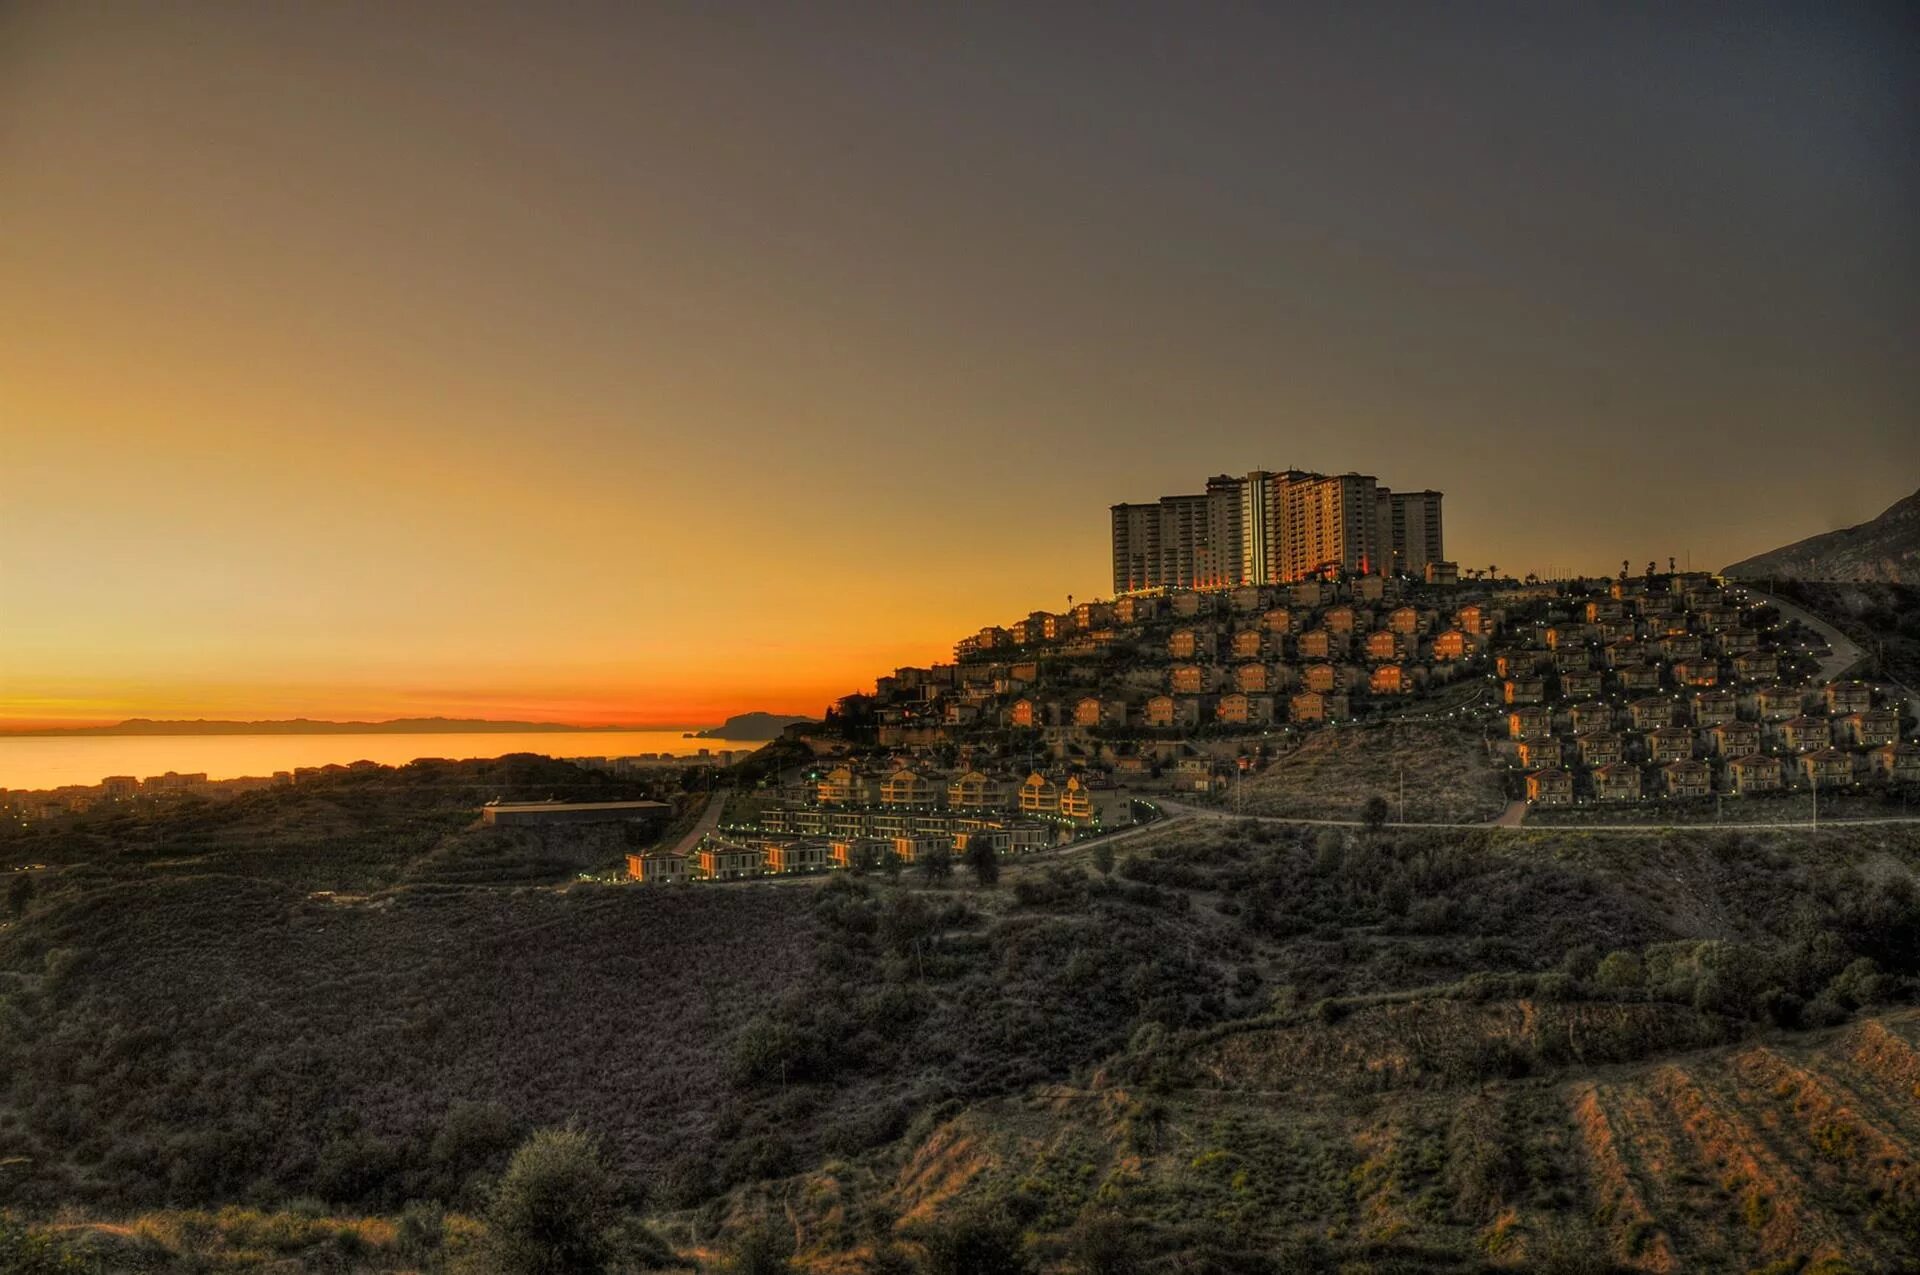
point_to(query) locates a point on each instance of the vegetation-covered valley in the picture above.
(1221, 1046)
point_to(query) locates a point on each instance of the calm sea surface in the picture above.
(51, 761)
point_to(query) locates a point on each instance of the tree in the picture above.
(1103, 858)
(553, 1207)
(935, 865)
(984, 860)
(20, 893)
(1374, 813)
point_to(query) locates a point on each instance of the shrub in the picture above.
(1620, 971)
(23, 1253)
(975, 1245)
(1106, 1244)
(1861, 983)
(763, 1250)
(552, 1208)
(421, 1231)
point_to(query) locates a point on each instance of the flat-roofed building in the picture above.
(658, 867)
(1410, 532)
(918, 849)
(725, 861)
(796, 856)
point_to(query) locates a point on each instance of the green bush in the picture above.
(552, 1208)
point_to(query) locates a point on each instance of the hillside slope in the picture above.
(1885, 549)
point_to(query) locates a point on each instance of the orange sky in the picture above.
(364, 361)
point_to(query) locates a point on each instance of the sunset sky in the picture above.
(651, 362)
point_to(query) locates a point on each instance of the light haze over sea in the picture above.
(51, 761)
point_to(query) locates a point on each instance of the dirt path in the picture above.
(1512, 817)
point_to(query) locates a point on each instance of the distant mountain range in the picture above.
(751, 726)
(744, 726)
(1886, 549)
(307, 726)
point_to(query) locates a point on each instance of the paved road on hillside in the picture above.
(709, 820)
(1845, 651)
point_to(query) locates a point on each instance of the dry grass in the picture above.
(1333, 773)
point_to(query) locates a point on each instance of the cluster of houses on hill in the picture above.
(1678, 690)
(851, 816)
(1674, 685)
(1173, 664)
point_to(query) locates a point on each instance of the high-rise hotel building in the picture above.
(1271, 527)
(1179, 542)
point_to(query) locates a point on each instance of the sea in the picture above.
(53, 761)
